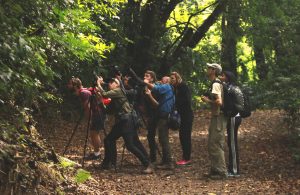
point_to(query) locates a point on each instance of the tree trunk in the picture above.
(231, 32)
(144, 51)
(261, 66)
(153, 16)
(131, 28)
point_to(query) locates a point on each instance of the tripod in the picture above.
(73, 133)
(91, 102)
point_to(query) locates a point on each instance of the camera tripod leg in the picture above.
(73, 133)
(86, 138)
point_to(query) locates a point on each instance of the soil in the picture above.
(266, 161)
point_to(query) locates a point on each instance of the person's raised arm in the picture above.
(148, 84)
(99, 84)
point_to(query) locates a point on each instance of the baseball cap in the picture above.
(215, 66)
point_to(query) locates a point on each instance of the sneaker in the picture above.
(149, 169)
(184, 162)
(92, 156)
(229, 174)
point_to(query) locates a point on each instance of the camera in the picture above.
(206, 94)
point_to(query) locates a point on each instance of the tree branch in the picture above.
(187, 32)
(191, 40)
(167, 10)
(200, 33)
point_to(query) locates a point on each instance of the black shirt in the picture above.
(183, 98)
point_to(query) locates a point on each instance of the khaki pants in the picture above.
(163, 137)
(216, 139)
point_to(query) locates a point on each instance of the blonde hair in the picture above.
(177, 76)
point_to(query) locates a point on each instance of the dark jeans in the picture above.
(125, 129)
(185, 134)
(233, 124)
(151, 127)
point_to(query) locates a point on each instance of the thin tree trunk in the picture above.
(261, 66)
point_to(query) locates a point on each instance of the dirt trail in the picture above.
(266, 163)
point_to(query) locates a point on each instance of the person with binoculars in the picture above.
(124, 127)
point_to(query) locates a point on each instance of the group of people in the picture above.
(155, 100)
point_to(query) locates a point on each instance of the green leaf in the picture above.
(82, 176)
(65, 162)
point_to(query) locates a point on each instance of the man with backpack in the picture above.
(93, 111)
(216, 134)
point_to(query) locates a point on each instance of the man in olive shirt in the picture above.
(123, 127)
(216, 132)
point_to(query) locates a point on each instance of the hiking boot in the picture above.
(165, 166)
(149, 169)
(92, 156)
(107, 165)
(184, 162)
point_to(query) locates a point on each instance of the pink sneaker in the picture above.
(184, 162)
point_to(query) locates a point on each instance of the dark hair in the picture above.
(152, 74)
(230, 76)
(76, 82)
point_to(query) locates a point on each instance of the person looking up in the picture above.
(216, 136)
(165, 104)
(124, 127)
(183, 102)
(151, 113)
(91, 109)
(233, 124)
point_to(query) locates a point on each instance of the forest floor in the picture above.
(266, 162)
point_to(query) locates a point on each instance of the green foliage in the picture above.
(82, 176)
(41, 42)
(275, 27)
(66, 163)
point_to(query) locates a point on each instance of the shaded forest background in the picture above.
(43, 43)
